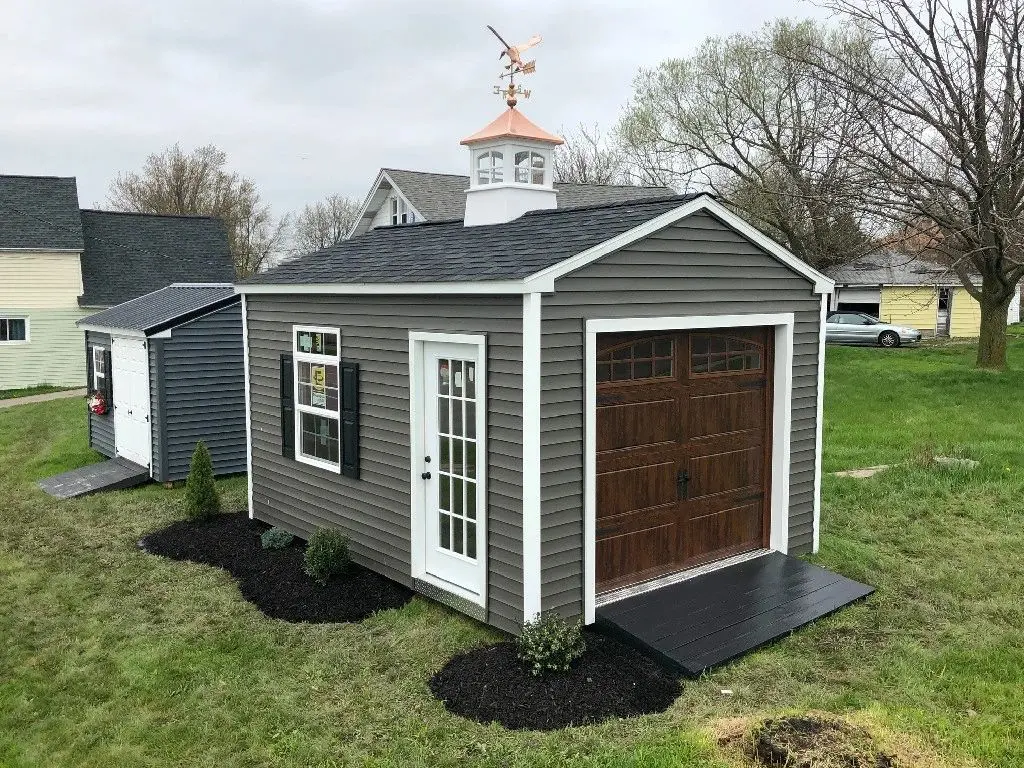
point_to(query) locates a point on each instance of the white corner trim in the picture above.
(417, 449)
(531, 457)
(819, 423)
(539, 280)
(248, 403)
(782, 399)
(478, 288)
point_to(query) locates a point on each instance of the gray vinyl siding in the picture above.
(101, 428)
(375, 510)
(197, 387)
(696, 267)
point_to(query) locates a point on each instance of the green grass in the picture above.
(110, 656)
(41, 389)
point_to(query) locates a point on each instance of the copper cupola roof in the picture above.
(512, 124)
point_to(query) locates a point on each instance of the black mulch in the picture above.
(490, 684)
(273, 579)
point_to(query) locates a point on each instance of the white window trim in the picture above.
(95, 386)
(496, 164)
(530, 154)
(298, 356)
(417, 406)
(28, 331)
(781, 423)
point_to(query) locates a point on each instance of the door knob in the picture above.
(425, 475)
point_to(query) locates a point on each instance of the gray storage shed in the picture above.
(537, 414)
(170, 367)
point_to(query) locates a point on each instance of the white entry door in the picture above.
(129, 363)
(452, 466)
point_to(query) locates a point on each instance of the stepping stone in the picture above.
(861, 474)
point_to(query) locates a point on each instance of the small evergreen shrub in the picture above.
(276, 538)
(550, 644)
(326, 554)
(201, 498)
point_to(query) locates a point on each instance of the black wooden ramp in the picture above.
(108, 475)
(702, 622)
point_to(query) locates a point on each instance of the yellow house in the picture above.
(59, 263)
(904, 290)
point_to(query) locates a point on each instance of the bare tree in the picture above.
(746, 119)
(182, 183)
(324, 223)
(946, 149)
(588, 156)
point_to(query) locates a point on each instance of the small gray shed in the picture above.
(170, 368)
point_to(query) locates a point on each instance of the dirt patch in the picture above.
(817, 742)
(490, 684)
(273, 579)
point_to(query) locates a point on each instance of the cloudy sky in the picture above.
(310, 97)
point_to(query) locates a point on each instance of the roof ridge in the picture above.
(428, 173)
(619, 204)
(154, 215)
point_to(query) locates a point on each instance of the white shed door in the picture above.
(129, 363)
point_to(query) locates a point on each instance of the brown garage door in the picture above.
(683, 450)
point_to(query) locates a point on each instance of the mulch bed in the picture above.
(490, 684)
(817, 742)
(273, 579)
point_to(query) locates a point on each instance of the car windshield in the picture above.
(870, 320)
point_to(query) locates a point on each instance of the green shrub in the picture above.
(276, 538)
(201, 498)
(550, 644)
(326, 554)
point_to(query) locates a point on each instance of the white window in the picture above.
(490, 168)
(529, 167)
(99, 370)
(401, 213)
(317, 357)
(13, 330)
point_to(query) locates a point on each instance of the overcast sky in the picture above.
(310, 97)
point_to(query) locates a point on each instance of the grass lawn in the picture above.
(109, 656)
(41, 389)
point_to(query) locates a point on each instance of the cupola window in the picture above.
(490, 168)
(529, 167)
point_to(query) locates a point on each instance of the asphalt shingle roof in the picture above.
(442, 196)
(39, 212)
(166, 308)
(893, 268)
(451, 252)
(130, 254)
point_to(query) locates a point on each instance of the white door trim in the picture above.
(781, 423)
(124, 338)
(417, 409)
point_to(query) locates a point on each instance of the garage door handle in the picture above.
(682, 484)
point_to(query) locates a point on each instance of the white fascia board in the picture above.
(539, 280)
(132, 333)
(482, 287)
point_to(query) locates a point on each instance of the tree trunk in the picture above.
(992, 338)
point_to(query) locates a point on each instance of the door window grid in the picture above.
(644, 359)
(713, 354)
(457, 449)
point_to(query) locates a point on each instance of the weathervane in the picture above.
(515, 66)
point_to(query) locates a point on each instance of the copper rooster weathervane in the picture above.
(515, 66)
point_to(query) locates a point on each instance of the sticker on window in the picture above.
(305, 341)
(318, 378)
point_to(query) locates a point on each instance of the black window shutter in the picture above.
(108, 380)
(287, 407)
(350, 419)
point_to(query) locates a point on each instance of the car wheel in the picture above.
(888, 339)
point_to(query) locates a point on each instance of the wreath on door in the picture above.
(98, 403)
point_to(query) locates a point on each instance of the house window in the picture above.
(401, 212)
(99, 370)
(529, 167)
(490, 168)
(643, 359)
(715, 355)
(13, 330)
(317, 417)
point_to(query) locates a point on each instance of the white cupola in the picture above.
(510, 170)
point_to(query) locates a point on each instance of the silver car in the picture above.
(859, 328)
